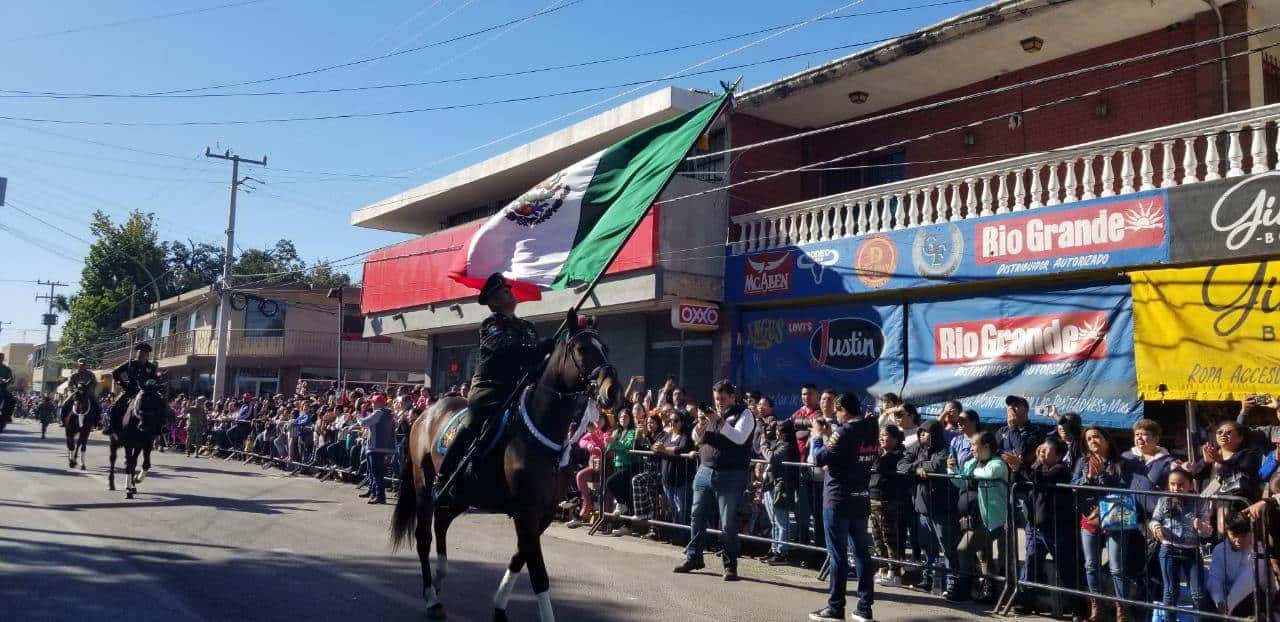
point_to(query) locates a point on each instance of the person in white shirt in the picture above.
(723, 435)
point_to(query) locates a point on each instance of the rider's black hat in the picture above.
(491, 285)
(143, 347)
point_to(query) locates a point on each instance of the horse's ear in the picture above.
(571, 320)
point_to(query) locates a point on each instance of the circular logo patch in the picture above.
(936, 251)
(876, 261)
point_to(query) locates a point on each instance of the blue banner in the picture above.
(1072, 348)
(1115, 232)
(856, 348)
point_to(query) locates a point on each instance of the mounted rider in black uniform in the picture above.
(83, 376)
(509, 347)
(130, 378)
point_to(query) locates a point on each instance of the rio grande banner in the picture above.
(1207, 333)
(1072, 348)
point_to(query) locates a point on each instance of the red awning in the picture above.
(416, 273)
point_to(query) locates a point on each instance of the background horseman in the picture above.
(6, 398)
(509, 347)
(85, 378)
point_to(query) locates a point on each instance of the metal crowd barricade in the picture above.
(1262, 594)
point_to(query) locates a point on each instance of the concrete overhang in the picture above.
(650, 290)
(423, 209)
(959, 51)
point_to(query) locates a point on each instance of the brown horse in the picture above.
(79, 422)
(523, 480)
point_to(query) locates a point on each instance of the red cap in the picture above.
(379, 399)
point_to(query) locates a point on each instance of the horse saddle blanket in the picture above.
(492, 440)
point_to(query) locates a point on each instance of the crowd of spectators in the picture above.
(949, 495)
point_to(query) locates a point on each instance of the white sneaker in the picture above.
(853, 617)
(891, 581)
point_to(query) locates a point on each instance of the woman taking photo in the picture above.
(1101, 465)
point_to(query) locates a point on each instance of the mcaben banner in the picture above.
(1207, 333)
(1072, 348)
(855, 348)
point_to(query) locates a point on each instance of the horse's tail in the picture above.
(404, 520)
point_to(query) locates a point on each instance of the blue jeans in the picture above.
(679, 497)
(714, 489)
(1116, 544)
(804, 509)
(781, 520)
(1177, 563)
(936, 537)
(840, 529)
(377, 469)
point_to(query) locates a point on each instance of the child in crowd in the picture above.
(1178, 524)
(886, 489)
(983, 508)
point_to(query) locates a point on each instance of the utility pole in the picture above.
(224, 290)
(48, 320)
(337, 293)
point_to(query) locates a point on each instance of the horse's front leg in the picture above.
(111, 472)
(145, 450)
(84, 448)
(71, 449)
(508, 583)
(529, 528)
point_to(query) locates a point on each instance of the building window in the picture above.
(352, 321)
(263, 319)
(864, 173)
(1270, 79)
(710, 170)
(193, 320)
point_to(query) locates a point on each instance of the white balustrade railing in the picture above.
(1224, 146)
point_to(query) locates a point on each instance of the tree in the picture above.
(191, 266)
(280, 265)
(122, 272)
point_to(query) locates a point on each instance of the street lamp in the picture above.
(336, 292)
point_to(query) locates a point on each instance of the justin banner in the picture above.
(1072, 348)
(854, 348)
(1207, 333)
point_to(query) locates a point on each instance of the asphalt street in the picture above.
(207, 539)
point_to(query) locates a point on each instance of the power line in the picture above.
(440, 108)
(995, 91)
(930, 106)
(134, 20)
(27, 94)
(369, 59)
(1070, 98)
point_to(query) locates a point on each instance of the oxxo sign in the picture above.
(695, 315)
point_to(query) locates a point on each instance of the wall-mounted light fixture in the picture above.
(1102, 109)
(859, 97)
(1031, 45)
(970, 138)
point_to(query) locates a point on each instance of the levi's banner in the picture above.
(854, 348)
(565, 230)
(1207, 333)
(1072, 348)
(1114, 232)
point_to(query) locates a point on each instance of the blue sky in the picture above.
(64, 172)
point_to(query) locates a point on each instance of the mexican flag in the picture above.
(565, 230)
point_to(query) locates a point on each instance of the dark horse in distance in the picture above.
(84, 415)
(522, 479)
(143, 420)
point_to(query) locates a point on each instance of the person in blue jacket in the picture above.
(846, 504)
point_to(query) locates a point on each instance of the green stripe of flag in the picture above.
(627, 180)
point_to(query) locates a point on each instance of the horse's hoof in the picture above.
(128, 495)
(436, 612)
(71, 464)
(82, 468)
(111, 486)
(499, 615)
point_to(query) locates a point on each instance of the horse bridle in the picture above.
(597, 374)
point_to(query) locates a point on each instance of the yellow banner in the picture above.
(1207, 333)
